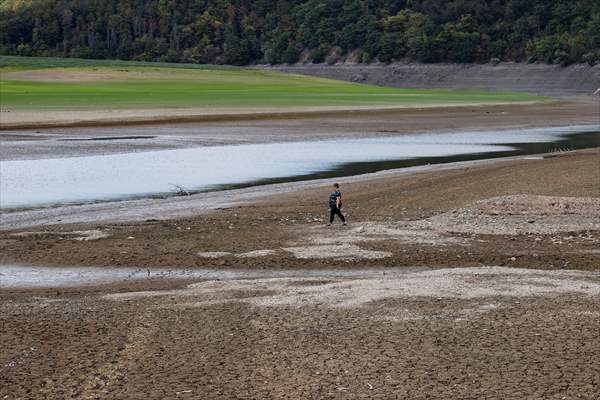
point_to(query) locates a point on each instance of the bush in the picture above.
(330, 60)
(319, 55)
(291, 55)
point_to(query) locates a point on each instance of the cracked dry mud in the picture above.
(460, 333)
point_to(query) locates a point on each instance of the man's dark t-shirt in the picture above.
(333, 199)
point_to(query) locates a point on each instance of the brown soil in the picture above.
(585, 108)
(99, 74)
(39, 119)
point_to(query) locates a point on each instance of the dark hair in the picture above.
(336, 185)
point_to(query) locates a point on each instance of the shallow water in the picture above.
(13, 276)
(27, 183)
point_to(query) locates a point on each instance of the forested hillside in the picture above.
(285, 31)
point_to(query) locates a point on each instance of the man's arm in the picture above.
(338, 201)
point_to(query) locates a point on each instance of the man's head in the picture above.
(336, 185)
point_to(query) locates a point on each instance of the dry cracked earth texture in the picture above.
(456, 333)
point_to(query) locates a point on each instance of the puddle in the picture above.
(34, 183)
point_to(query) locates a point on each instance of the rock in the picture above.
(213, 254)
(256, 253)
(360, 77)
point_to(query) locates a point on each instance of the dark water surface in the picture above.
(567, 142)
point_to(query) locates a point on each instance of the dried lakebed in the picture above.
(34, 183)
(327, 287)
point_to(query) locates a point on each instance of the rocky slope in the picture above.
(551, 80)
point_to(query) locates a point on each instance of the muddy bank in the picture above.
(508, 212)
(72, 142)
(543, 79)
(173, 207)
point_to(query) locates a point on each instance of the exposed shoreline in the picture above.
(73, 142)
(268, 225)
(139, 210)
(27, 120)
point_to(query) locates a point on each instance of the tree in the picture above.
(251, 31)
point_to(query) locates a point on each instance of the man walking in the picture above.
(335, 205)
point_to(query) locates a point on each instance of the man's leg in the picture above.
(331, 215)
(339, 213)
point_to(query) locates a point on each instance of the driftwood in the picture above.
(180, 190)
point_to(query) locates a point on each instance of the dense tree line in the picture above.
(286, 31)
